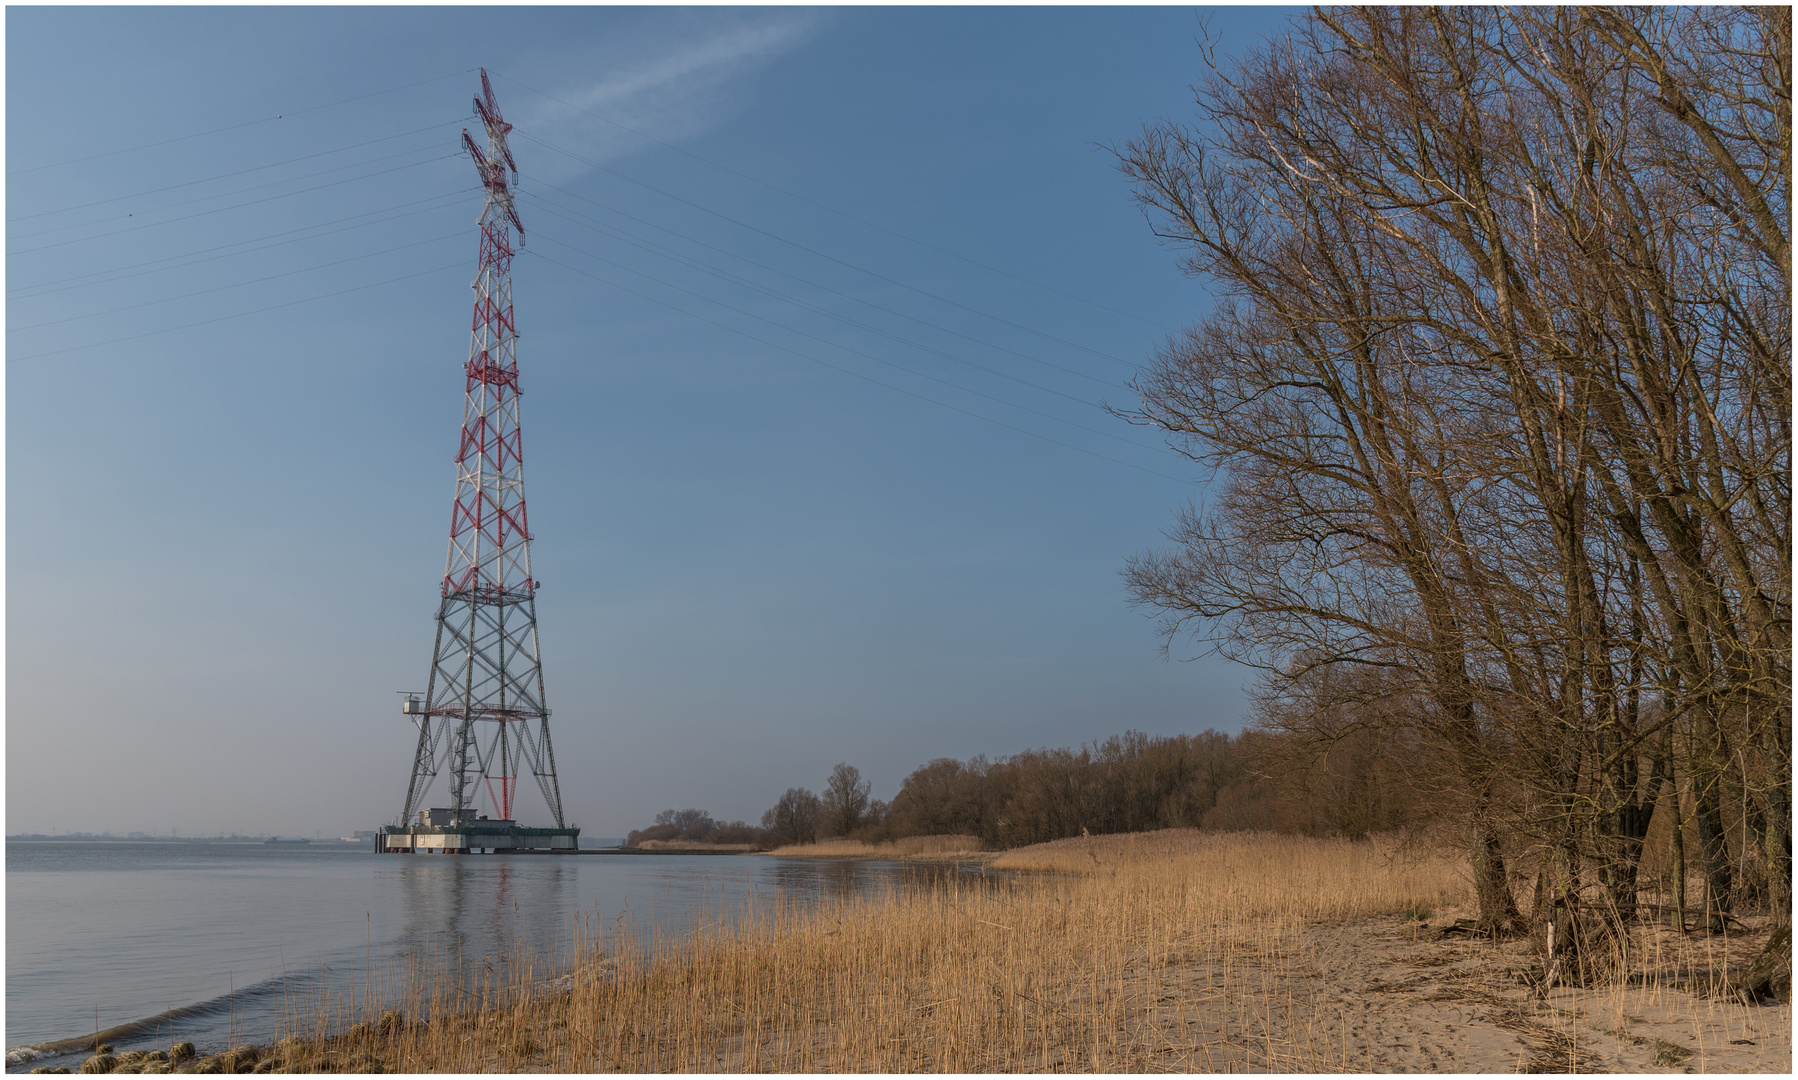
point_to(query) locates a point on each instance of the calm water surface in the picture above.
(101, 934)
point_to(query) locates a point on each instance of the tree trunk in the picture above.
(1776, 838)
(1713, 840)
(1679, 858)
(1498, 910)
(1770, 976)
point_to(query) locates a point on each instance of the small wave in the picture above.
(19, 1055)
(218, 1006)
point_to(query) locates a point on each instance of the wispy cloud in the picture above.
(673, 84)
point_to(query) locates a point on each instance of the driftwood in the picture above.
(1464, 926)
(1478, 929)
(1729, 921)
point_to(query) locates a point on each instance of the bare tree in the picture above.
(1497, 396)
(844, 804)
(794, 819)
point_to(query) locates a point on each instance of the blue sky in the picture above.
(817, 312)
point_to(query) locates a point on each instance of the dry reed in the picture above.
(1174, 950)
(1167, 948)
(691, 846)
(910, 847)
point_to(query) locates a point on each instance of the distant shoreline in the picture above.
(326, 841)
(89, 838)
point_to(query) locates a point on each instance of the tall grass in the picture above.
(1127, 954)
(910, 847)
(1259, 874)
(1175, 950)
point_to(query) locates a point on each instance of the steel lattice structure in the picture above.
(483, 716)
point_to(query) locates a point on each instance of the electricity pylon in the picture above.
(483, 717)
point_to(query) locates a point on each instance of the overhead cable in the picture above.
(812, 251)
(237, 172)
(816, 310)
(234, 206)
(783, 273)
(235, 127)
(118, 273)
(858, 352)
(857, 374)
(224, 194)
(237, 284)
(234, 315)
(831, 209)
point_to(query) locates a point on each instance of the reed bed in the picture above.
(911, 847)
(698, 846)
(1272, 873)
(1172, 950)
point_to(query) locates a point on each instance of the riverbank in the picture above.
(1163, 951)
(952, 848)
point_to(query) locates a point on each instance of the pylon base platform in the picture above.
(474, 838)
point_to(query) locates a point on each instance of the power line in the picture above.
(832, 209)
(227, 194)
(860, 375)
(776, 294)
(729, 307)
(724, 275)
(867, 355)
(44, 288)
(628, 238)
(234, 206)
(236, 284)
(235, 127)
(811, 251)
(238, 172)
(237, 315)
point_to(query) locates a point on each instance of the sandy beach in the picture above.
(1388, 995)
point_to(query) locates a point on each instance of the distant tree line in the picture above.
(1127, 783)
(695, 826)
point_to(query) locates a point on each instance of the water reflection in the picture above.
(480, 913)
(810, 879)
(180, 925)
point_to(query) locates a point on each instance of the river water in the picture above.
(232, 935)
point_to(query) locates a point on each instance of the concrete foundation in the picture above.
(475, 837)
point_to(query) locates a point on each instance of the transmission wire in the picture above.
(460, 233)
(860, 375)
(234, 206)
(826, 207)
(235, 127)
(795, 301)
(630, 238)
(239, 172)
(812, 251)
(43, 288)
(236, 315)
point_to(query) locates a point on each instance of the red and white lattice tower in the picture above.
(483, 718)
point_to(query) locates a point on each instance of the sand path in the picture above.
(1383, 995)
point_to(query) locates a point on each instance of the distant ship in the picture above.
(278, 840)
